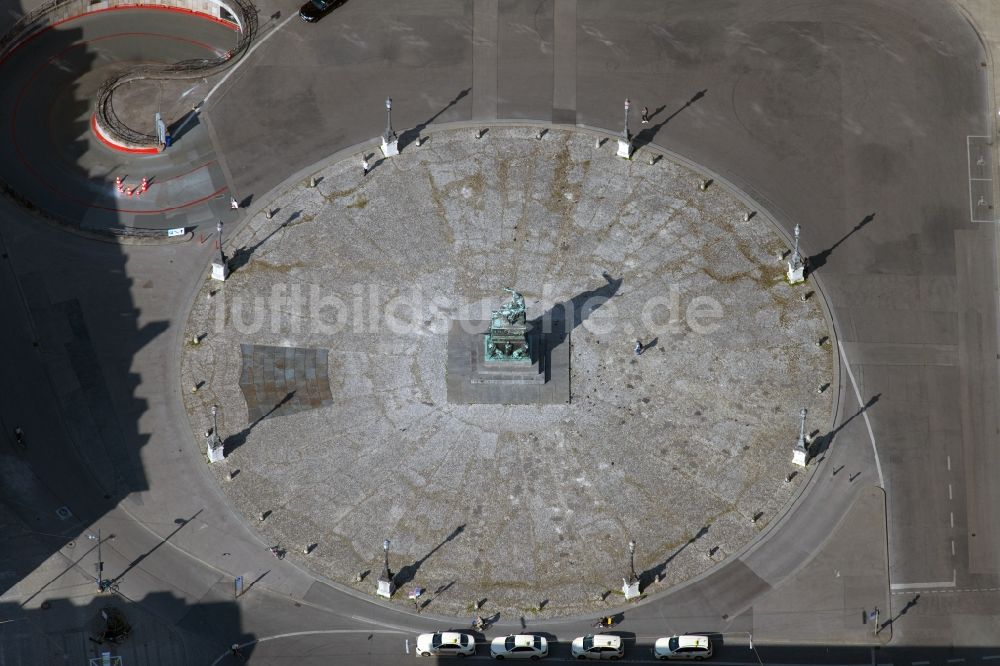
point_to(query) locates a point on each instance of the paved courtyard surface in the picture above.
(326, 353)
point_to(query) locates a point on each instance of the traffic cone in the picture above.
(145, 185)
(130, 191)
(118, 183)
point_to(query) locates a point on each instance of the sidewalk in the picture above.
(985, 17)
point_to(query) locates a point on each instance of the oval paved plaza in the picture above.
(326, 351)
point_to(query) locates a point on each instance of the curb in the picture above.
(753, 203)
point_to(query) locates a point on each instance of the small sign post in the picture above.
(414, 595)
(161, 130)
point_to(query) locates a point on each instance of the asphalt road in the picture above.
(852, 119)
(53, 156)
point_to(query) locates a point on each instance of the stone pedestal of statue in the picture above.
(630, 589)
(386, 587)
(625, 149)
(508, 360)
(220, 270)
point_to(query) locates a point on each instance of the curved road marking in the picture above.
(245, 57)
(861, 402)
(309, 633)
(41, 177)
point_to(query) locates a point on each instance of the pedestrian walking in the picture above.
(638, 347)
(233, 203)
(364, 166)
(235, 650)
(645, 115)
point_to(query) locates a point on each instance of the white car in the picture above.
(600, 646)
(446, 643)
(519, 646)
(683, 647)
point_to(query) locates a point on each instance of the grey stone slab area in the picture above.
(684, 448)
(280, 381)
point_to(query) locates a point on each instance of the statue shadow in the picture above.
(557, 323)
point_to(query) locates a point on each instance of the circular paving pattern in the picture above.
(327, 351)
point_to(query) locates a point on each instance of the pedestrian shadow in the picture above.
(242, 256)
(234, 442)
(645, 136)
(822, 443)
(657, 111)
(408, 136)
(817, 261)
(372, 166)
(651, 575)
(567, 315)
(649, 345)
(409, 572)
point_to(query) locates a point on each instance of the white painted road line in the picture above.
(246, 56)
(919, 663)
(952, 515)
(949, 463)
(924, 586)
(956, 660)
(317, 632)
(857, 393)
(953, 548)
(990, 656)
(980, 178)
(949, 491)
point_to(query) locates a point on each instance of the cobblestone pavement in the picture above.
(684, 448)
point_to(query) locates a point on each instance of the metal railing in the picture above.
(41, 17)
(108, 119)
(26, 25)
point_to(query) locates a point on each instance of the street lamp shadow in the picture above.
(823, 442)
(409, 572)
(409, 136)
(241, 257)
(645, 136)
(234, 442)
(817, 261)
(650, 576)
(180, 522)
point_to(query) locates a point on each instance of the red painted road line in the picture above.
(139, 7)
(41, 178)
(115, 146)
(160, 181)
